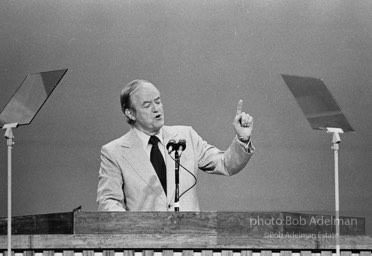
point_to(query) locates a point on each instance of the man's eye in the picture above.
(146, 105)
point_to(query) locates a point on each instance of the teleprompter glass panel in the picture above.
(317, 103)
(30, 97)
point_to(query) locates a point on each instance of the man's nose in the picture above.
(155, 108)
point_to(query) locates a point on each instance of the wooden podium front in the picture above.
(183, 233)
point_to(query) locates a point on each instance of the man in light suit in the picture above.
(127, 176)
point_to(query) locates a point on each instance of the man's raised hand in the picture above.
(243, 123)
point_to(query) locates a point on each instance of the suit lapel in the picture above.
(137, 157)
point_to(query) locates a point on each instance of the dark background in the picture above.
(203, 56)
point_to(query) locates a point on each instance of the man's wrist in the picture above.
(244, 139)
(246, 143)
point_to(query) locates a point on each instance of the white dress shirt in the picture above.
(145, 142)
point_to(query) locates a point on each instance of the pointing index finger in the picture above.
(239, 108)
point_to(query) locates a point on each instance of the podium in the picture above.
(183, 233)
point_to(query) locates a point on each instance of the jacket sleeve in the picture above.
(110, 195)
(213, 160)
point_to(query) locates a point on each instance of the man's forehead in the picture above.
(146, 91)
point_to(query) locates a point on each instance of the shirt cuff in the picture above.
(247, 146)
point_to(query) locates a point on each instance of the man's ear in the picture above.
(129, 114)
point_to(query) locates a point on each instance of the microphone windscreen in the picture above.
(171, 145)
(182, 143)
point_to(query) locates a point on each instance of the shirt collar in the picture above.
(145, 137)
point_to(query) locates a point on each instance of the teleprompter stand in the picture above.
(10, 142)
(20, 110)
(322, 113)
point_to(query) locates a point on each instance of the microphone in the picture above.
(181, 145)
(171, 146)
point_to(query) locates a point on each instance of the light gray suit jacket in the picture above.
(128, 181)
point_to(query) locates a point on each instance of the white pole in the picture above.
(10, 145)
(9, 136)
(335, 146)
(337, 201)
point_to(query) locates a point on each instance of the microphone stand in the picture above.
(177, 181)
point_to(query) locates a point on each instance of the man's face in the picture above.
(148, 109)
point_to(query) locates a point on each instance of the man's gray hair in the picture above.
(125, 94)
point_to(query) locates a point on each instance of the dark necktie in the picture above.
(157, 161)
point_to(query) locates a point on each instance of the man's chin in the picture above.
(159, 124)
(152, 129)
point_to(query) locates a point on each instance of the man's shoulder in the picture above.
(174, 128)
(180, 130)
(118, 142)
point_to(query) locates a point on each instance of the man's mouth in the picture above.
(159, 116)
